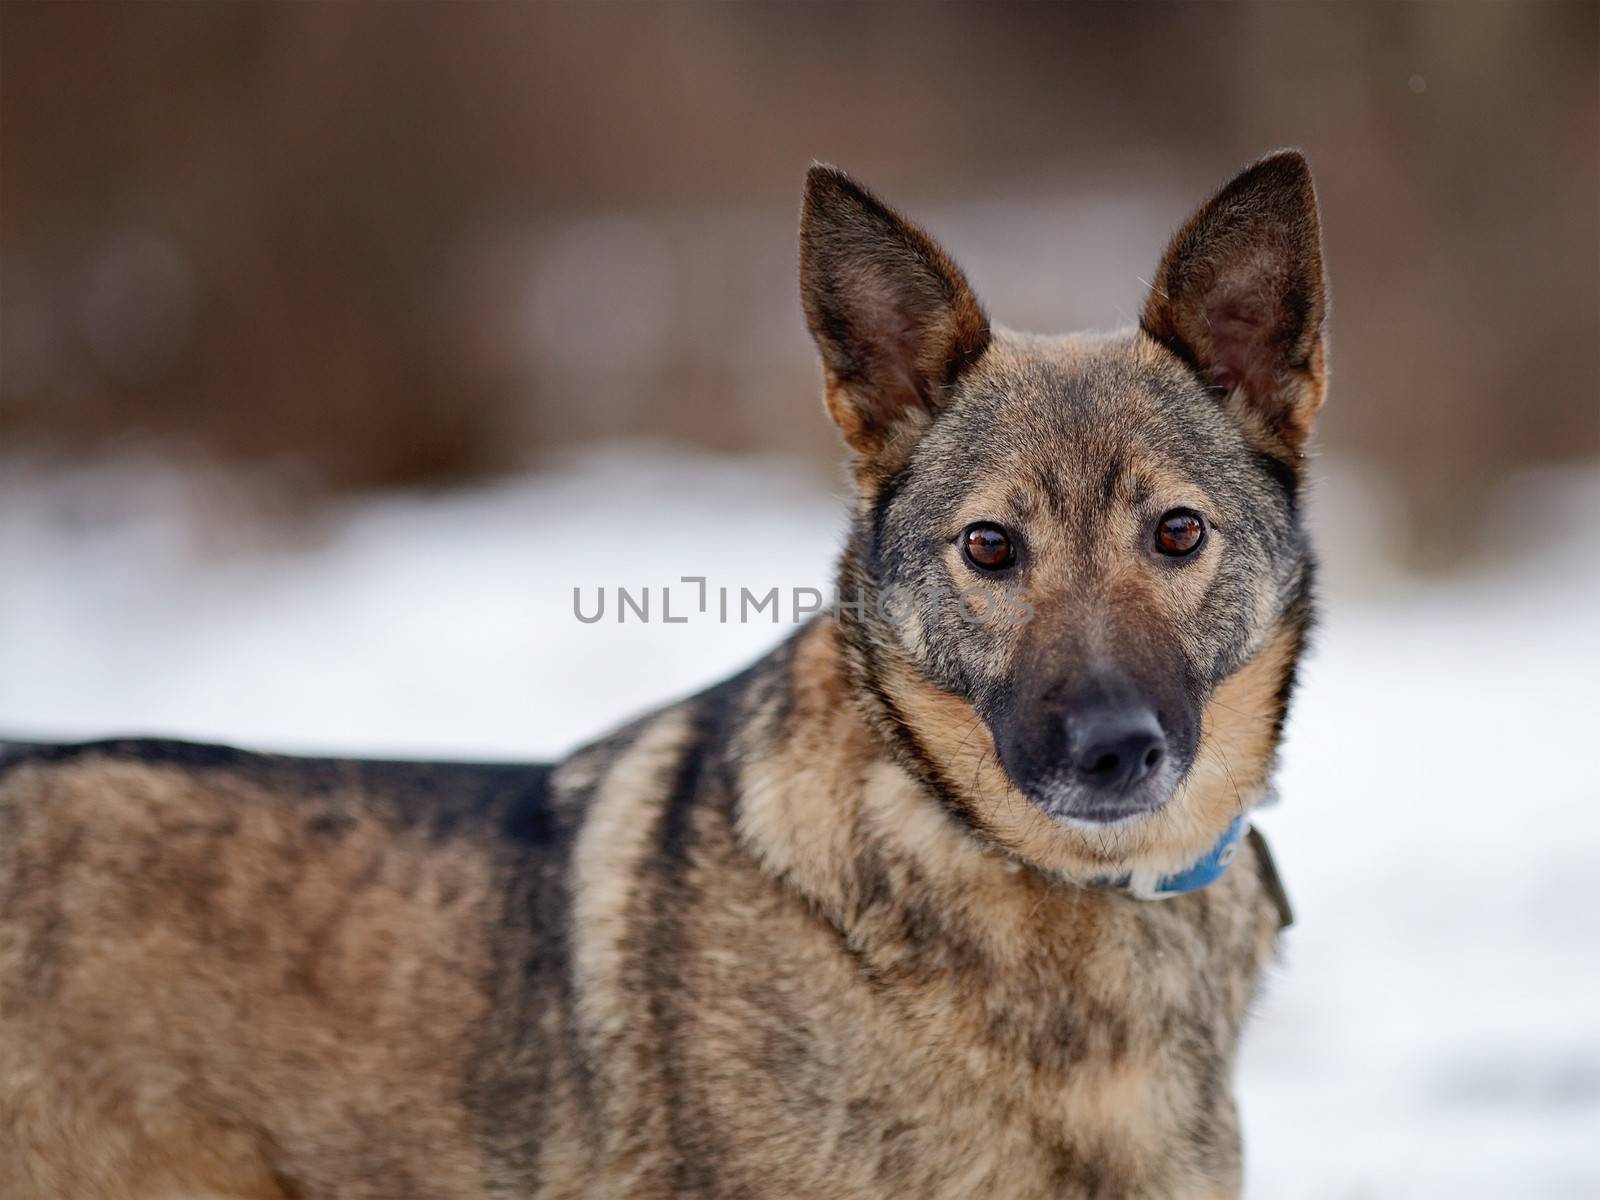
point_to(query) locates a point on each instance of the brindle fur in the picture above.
(798, 936)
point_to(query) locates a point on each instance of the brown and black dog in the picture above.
(855, 923)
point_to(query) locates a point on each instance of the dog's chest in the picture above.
(1091, 1057)
(1097, 1065)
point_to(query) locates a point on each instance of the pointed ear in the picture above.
(1240, 297)
(892, 315)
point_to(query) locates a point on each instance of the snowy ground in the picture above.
(1434, 1029)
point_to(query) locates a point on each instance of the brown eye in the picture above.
(1180, 532)
(987, 546)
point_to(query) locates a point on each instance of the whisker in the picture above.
(1222, 757)
(1249, 716)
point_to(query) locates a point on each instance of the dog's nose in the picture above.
(1115, 748)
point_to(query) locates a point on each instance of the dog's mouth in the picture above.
(1073, 804)
(1105, 818)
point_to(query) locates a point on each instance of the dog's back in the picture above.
(220, 969)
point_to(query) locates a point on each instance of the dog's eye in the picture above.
(987, 546)
(1180, 532)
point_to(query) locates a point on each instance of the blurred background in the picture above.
(338, 344)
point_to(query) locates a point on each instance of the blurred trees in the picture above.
(395, 245)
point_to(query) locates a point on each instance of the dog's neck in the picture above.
(826, 795)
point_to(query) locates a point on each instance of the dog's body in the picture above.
(834, 928)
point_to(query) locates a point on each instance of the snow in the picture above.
(1434, 1026)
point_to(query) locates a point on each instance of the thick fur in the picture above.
(802, 935)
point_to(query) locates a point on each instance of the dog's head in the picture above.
(1081, 573)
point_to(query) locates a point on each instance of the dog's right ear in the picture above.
(892, 315)
(1240, 297)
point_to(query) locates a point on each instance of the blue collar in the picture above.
(1212, 866)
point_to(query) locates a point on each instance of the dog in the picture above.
(917, 905)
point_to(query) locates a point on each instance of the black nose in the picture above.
(1115, 748)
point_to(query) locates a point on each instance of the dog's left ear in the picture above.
(1240, 297)
(892, 315)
